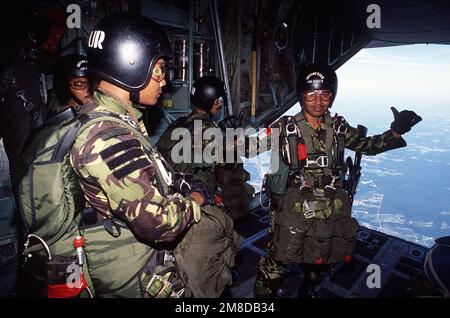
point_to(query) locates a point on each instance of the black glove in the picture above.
(404, 120)
(204, 190)
(182, 183)
(185, 184)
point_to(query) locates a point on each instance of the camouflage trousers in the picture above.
(270, 272)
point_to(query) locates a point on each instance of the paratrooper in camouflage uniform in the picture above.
(312, 223)
(202, 171)
(70, 84)
(118, 178)
(205, 274)
(113, 158)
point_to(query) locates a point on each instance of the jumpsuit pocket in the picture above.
(344, 239)
(318, 242)
(288, 242)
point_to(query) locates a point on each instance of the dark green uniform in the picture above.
(312, 221)
(206, 254)
(203, 171)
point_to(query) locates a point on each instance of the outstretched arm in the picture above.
(389, 140)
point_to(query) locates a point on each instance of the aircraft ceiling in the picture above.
(412, 21)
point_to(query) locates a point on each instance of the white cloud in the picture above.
(422, 224)
(392, 218)
(368, 225)
(408, 234)
(425, 149)
(383, 172)
(371, 160)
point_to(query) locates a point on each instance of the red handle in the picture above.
(78, 241)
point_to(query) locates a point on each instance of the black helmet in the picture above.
(317, 76)
(124, 47)
(437, 264)
(68, 66)
(205, 91)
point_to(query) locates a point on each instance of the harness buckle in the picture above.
(321, 161)
(309, 214)
(291, 129)
(177, 294)
(168, 257)
(29, 106)
(128, 120)
(330, 190)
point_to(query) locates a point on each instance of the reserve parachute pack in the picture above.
(206, 254)
(65, 256)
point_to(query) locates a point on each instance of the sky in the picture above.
(412, 77)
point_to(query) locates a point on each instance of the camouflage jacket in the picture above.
(118, 178)
(201, 171)
(318, 142)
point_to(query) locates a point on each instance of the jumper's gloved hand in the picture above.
(204, 190)
(185, 185)
(404, 120)
(182, 183)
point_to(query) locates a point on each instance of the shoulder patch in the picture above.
(131, 160)
(125, 157)
(124, 145)
(129, 168)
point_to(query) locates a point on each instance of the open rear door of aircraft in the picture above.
(265, 41)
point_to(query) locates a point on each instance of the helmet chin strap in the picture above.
(77, 100)
(134, 97)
